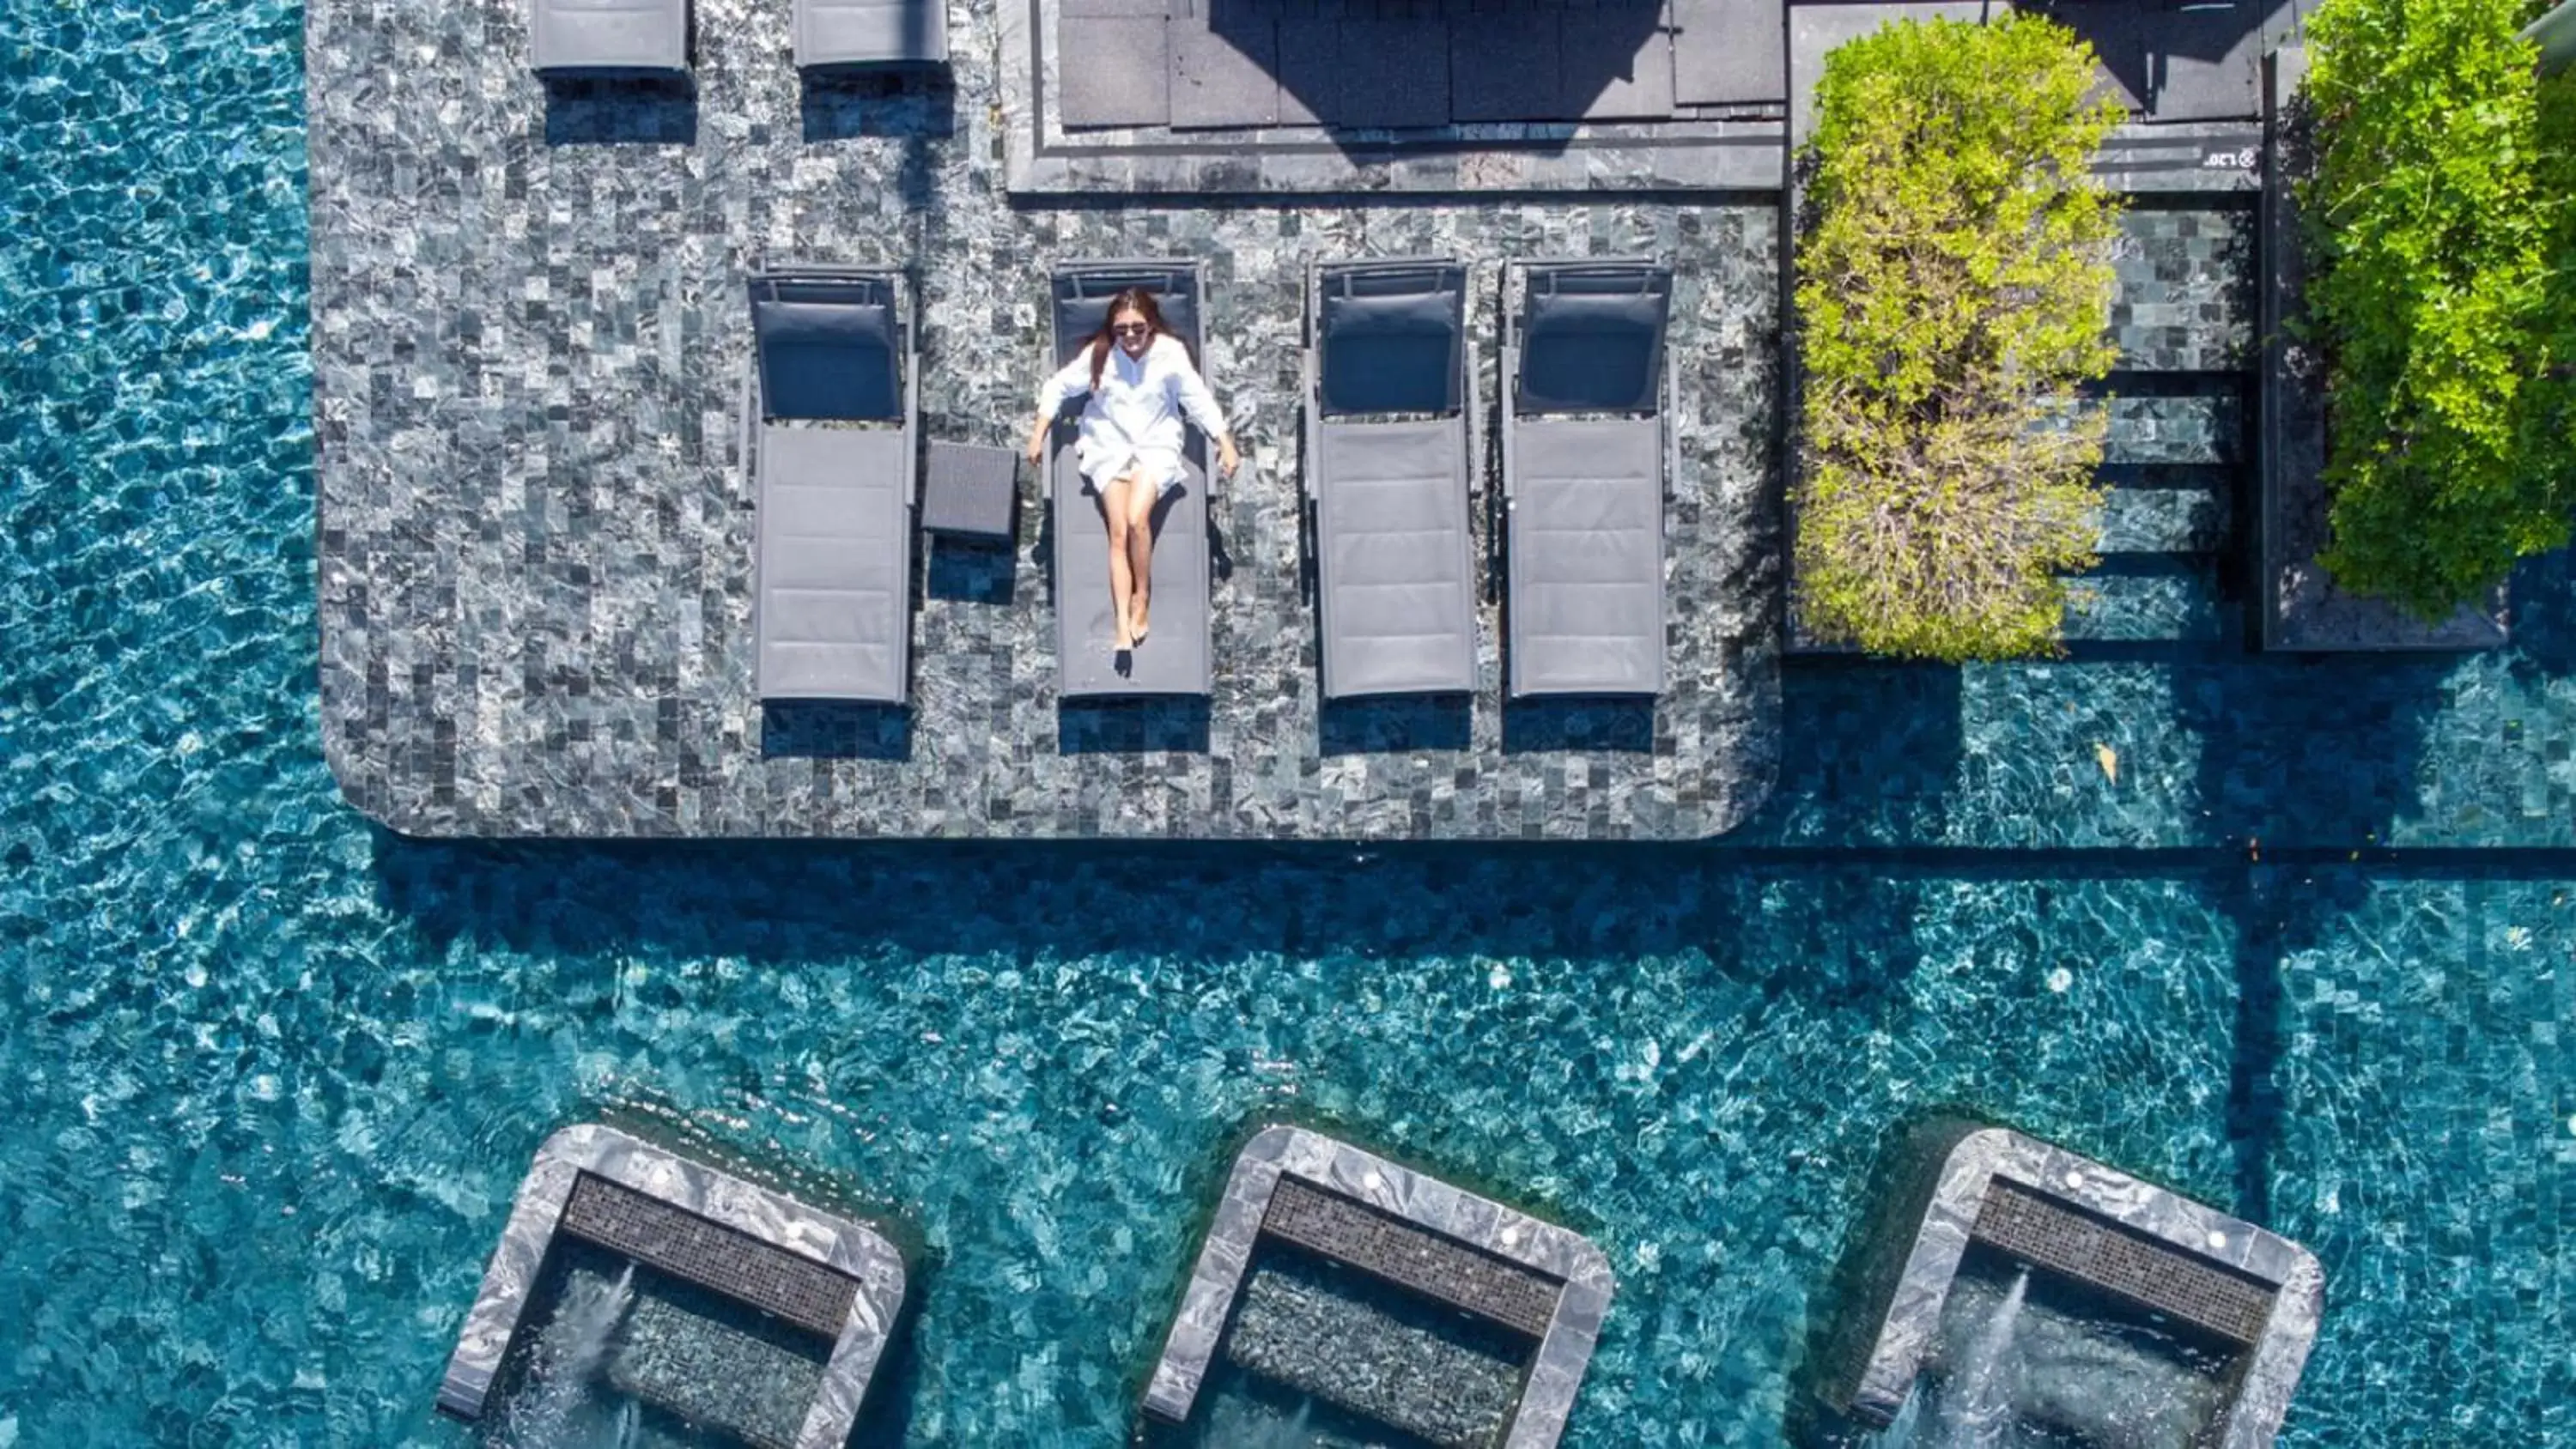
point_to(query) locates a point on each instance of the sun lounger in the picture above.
(636, 37)
(1587, 443)
(1174, 661)
(1389, 452)
(832, 349)
(871, 32)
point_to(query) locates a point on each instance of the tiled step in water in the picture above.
(2186, 301)
(2186, 520)
(2139, 607)
(2173, 455)
(2205, 425)
(1350, 1341)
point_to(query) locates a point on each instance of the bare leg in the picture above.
(1140, 551)
(1113, 505)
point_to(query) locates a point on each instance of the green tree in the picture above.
(2441, 296)
(1953, 294)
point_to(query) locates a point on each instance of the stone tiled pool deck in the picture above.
(530, 343)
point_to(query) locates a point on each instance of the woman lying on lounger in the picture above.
(1140, 383)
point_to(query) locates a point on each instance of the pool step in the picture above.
(2176, 605)
(2204, 425)
(2183, 303)
(2165, 521)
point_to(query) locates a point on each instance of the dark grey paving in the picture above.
(2117, 31)
(1120, 73)
(1225, 79)
(2208, 56)
(1617, 62)
(1308, 57)
(1730, 52)
(1391, 73)
(1491, 75)
(536, 524)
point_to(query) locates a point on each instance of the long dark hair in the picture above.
(1129, 299)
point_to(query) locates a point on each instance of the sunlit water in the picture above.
(563, 1400)
(2034, 1362)
(274, 1076)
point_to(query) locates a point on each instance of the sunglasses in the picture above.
(1130, 329)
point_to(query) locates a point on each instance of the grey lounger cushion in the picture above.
(1174, 658)
(1397, 570)
(1177, 658)
(609, 35)
(871, 32)
(1587, 556)
(835, 563)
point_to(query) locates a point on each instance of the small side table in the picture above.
(968, 491)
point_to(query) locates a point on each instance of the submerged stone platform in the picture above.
(817, 1273)
(1545, 1283)
(2097, 1227)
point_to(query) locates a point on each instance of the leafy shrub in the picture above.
(2433, 218)
(1953, 293)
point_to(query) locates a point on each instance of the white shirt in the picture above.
(1135, 415)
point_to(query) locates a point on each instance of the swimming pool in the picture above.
(277, 1073)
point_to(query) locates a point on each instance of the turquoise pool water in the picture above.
(274, 1074)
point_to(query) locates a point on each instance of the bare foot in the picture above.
(1138, 627)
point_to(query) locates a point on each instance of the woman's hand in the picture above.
(1227, 459)
(1036, 450)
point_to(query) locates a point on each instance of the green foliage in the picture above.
(1952, 295)
(2441, 295)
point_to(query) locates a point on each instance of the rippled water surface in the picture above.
(273, 1074)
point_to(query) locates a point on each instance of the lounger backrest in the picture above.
(1082, 298)
(1593, 338)
(827, 348)
(1392, 338)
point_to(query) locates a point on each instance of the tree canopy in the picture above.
(2442, 294)
(1953, 295)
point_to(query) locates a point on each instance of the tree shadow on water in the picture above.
(1869, 754)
